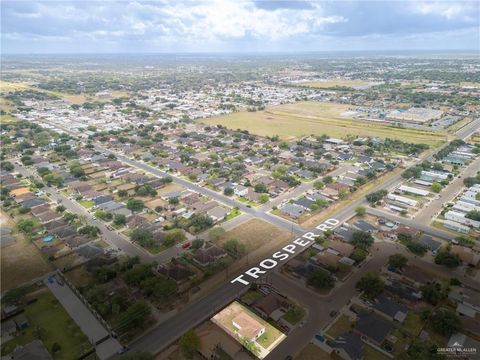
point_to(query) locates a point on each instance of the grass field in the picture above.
(291, 121)
(20, 262)
(341, 326)
(333, 83)
(255, 233)
(57, 327)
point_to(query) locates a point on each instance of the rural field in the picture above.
(21, 261)
(291, 121)
(333, 83)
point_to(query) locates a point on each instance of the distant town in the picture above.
(292, 207)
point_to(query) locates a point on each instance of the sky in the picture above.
(237, 26)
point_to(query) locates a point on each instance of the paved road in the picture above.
(412, 223)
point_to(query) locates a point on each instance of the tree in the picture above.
(135, 205)
(436, 187)
(189, 344)
(133, 317)
(318, 185)
(89, 230)
(447, 259)
(7, 166)
(432, 293)
(216, 233)
(174, 201)
(142, 236)
(76, 170)
(358, 255)
(397, 261)
(360, 211)
(104, 215)
(26, 225)
(122, 193)
(328, 179)
(119, 220)
(60, 208)
(263, 198)
(235, 248)
(445, 322)
(228, 191)
(377, 196)
(474, 215)
(197, 244)
(371, 284)
(173, 237)
(321, 279)
(362, 239)
(260, 188)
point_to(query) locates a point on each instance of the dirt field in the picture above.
(333, 83)
(291, 121)
(21, 261)
(256, 233)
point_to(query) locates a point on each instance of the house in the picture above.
(342, 248)
(432, 245)
(252, 195)
(292, 210)
(272, 306)
(218, 213)
(34, 350)
(304, 203)
(208, 254)
(465, 346)
(135, 221)
(460, 218)
(48, 216)
(468, 301)
(362, 225)
(373, 327)
(240, 190)
(177, 272)
(349, 346)
(327, 259)
(9, 328)
(390, 308)
(247, 326)
(344, 234)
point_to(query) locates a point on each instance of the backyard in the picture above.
(51, 323)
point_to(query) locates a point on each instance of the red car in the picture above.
(186, 245)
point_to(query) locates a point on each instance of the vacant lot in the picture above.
(255, 233)
(333, 83)
(48, 319)
(291, 121)
(21, 261)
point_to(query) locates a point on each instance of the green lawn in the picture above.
(251, 296)
(48, 319)
(86, 203)
(373, 354)
(271, 334)
(294, 314)
(341, 326)
(413, 323)
(232, 214)
(246, 201)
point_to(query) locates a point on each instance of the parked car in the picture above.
(186, 245)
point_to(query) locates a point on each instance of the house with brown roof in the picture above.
(272, 306)
(327, 259)
(177, 272)
(342, 248)
(208, 254)
(247, 327)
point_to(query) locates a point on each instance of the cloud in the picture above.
(216, 25)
